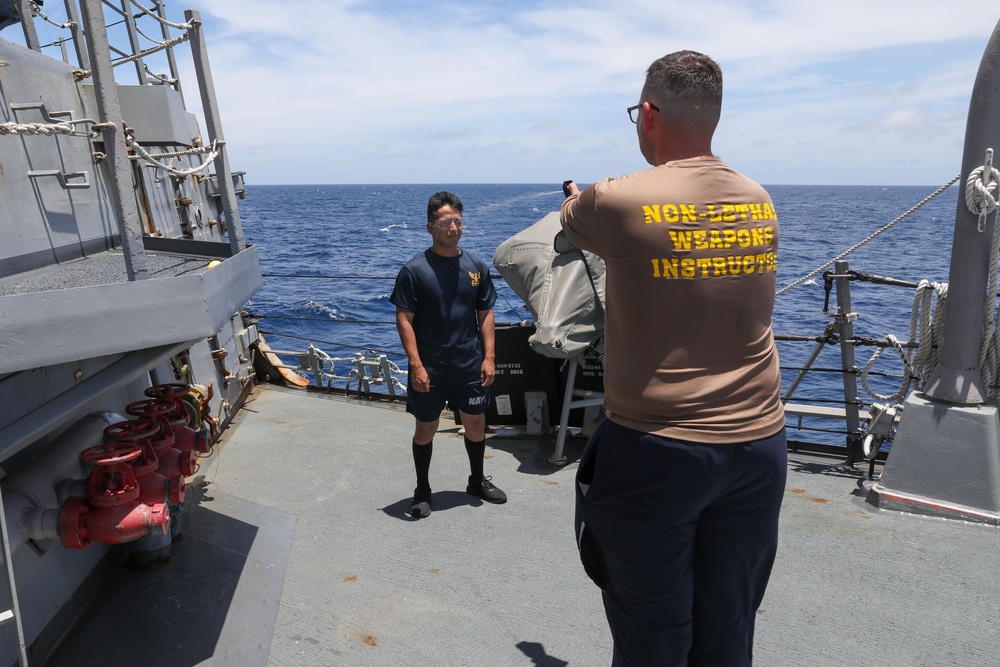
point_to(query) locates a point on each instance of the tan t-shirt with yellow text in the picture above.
(691, 254)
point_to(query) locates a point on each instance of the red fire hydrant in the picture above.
(112, 512)
(157, 417)
(172, 461)
(187, 437)
(154, 487)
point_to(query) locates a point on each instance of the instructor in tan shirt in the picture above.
(680, 486)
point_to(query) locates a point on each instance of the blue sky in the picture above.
(401, 91)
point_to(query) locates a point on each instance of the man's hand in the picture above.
(419, 379)
(570, 188)
(487, 373)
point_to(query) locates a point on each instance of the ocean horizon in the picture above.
(352, 240)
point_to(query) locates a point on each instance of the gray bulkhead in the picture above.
(77, 337)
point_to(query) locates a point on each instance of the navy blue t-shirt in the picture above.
(444, 294)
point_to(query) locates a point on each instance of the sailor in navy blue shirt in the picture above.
(444, 314)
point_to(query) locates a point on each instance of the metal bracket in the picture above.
(63, 178)
(881, 427)
(989, 182)
(845, 318)
(382, 374)
(47, 116)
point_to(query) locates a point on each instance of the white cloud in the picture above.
(334, 91)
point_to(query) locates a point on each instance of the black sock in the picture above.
(422, 462)
(476, 451)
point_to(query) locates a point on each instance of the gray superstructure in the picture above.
(123, 269)
(115, 202)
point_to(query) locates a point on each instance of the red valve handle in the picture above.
(132, 430)
(168, 390)
(115, 452)
(151, 407)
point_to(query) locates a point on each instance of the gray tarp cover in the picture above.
(561, 285)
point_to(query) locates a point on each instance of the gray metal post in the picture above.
(586, 399)
(845, 322)
(383, 363)
(133, 40)
(82, 59)
(28, 25)
(558, 458)
(110, 114)
(945, 458)
(15, 610)
(171, 60)
(957, 379)
(213, 123)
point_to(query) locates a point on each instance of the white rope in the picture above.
(979, 199)
(148, 157)
(161, 78)
(48, 129)
(979, 190)
(926, 320)
(179, 26)
(907, 373)
(146, 52)
(37, 128)
(151, 39)
(201, 150)
(870, 238)
(926, 328)
(989, 347)
(36, 10)
(988, 366)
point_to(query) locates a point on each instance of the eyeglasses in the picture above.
(447, 222)
(634, 117)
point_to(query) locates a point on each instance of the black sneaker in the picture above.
(485, 489)
(421, 505)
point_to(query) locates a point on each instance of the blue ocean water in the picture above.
(357, 237)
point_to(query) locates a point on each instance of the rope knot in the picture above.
(979, 195)
(979, 190)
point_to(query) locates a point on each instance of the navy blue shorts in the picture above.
(464, 393)
(681, 538)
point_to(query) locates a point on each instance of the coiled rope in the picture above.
(926, 320)
(989, 348)
(926, 326)
(979, 190)
(980, 201)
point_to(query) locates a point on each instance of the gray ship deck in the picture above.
(300, 551)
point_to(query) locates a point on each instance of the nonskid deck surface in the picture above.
(104, 268)
(302, 528)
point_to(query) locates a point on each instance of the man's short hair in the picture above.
(689, 85)
(440, 199)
